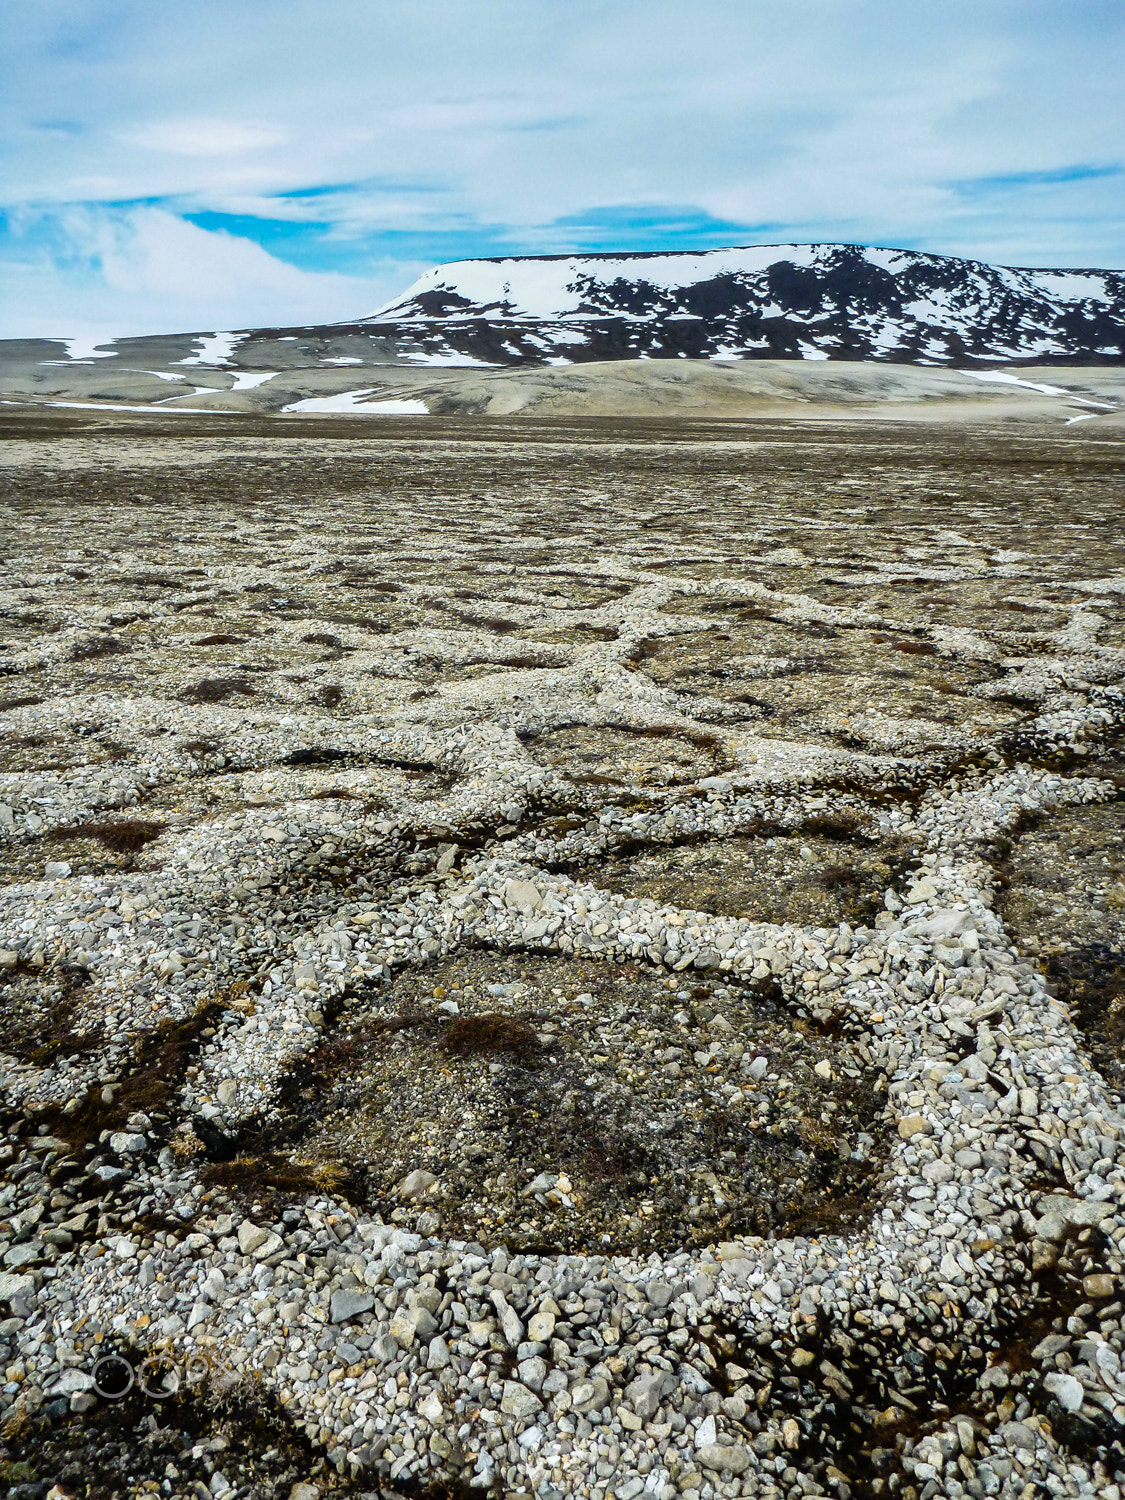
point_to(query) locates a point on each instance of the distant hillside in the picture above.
(768, 302)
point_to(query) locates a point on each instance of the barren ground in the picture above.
(636, 909)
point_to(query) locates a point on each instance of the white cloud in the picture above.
(214, 137)
(145, 270)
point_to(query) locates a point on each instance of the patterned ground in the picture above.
(662, 883)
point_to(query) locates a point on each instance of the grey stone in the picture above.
(509, 1320)
(23, 1255)
(533, 1372)
(250, 1236)
(437, 1355)
(416, 1184)
(1066, 1390)
(647, 1391)
(589, 1395)
(13, 1286)
(349, 1304)
(719, 1456)
(518, 1401)
(521, 895)
(1016, 1435)
(126, 1142)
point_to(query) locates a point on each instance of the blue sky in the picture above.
(218, 164)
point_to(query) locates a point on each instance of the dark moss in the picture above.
(490, 1035)
(125, 836)
(217, 690)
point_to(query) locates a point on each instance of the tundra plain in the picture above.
(562, 957)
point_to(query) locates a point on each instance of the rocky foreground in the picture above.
(548, 961)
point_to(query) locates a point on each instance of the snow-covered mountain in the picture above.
(849, 302)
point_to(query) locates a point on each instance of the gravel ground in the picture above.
(556, 961)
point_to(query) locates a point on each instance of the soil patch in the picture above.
(570, 1107)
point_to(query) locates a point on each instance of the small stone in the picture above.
(416, 1184)
(589, 1395)
(791, 1433)
(922, 890)
(425, 1324)
(437, 1355)
(1017, 1435)
(509, 1320)
(532, 1372)
(56, 869)
(125, 1142)
(349, 1304)
(541, 1184)
(912, 1125)
(521, 895)
(659, 1293)
(1065, 1388)
(22, 1255)
(1098, 1287)
(706, 1433)
(1044, 1255)
(541, 1327)
(227, 1091)
(719, 1456)
(12, 1286)
(647, 1391)
(517, 1401)
(250, 1236)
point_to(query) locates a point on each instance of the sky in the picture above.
(264, 162)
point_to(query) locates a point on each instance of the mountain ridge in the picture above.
(817, 301)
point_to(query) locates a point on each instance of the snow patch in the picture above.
(352, 401)
(246, 380)
(1031, 385)
(214, 349)
(1001, 378)
(198, 411)
(86, 348)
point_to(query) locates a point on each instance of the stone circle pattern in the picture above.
(518, 965)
